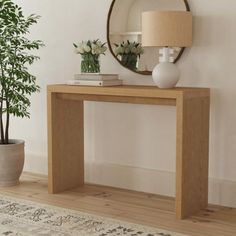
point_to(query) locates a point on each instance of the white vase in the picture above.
(11, 162)
(166, 75)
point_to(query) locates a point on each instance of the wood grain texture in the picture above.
(65, 143)
(65, 131)
(119, 99)
(192, 155)
(135, 207)
(129, 91)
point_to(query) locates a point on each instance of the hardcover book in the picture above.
(95, 82)
(94, 76)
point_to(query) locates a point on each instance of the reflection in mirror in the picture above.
(124, 32)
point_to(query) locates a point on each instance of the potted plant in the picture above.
(16, 84)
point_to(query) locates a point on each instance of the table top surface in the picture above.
(130, 91)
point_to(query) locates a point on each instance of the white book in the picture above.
(95, 82)
(94, 76)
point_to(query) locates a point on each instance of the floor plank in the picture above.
(135, 207)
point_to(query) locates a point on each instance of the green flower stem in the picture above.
(129, 61)
(90, 63)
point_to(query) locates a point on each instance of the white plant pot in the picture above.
(11, 162)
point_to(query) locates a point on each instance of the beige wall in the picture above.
(138, 142)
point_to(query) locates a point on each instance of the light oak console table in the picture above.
(66, 136)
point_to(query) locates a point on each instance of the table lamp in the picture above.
(166, 29)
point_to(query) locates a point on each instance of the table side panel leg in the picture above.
(192, 155)
(65, 144)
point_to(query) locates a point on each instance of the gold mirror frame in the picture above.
(110, 47)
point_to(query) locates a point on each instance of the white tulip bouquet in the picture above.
(90, 52)
(129, 52)
(129, 48)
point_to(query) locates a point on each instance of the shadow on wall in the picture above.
(209, 31)
(210, 57)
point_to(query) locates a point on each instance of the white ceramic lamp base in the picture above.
(166, 75)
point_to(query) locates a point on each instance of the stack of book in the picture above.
(95, 80)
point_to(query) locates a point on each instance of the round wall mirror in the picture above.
(124, 33)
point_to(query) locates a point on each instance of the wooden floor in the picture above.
(135, 207)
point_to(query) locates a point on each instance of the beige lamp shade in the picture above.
(167, 28)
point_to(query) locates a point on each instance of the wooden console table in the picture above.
(66, 136)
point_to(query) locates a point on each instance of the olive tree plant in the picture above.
(16, 82)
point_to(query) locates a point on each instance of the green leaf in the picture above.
(17, 84)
